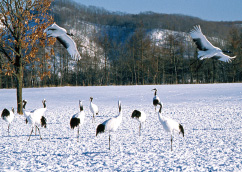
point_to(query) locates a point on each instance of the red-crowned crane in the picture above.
(170, 125)
(63, 37)
(156, 99)
(8, 116)
(206, 49)
(140, 116)
(35, 117)
(110, 125)
(93, 108)
(77, 120)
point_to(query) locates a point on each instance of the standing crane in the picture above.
(140, 116)
(77, 120)
(170, 125)
(93, 108)
(156, 99)
(8, 116)
(110, 125)
(35, 117)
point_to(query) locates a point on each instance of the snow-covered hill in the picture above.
(210, 114)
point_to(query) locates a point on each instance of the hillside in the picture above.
(126, 49)
(67, 10)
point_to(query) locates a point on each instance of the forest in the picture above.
(124, 49)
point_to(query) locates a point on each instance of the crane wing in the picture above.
(200, 40)
(223, 57)
(61, 34)
(70, 45)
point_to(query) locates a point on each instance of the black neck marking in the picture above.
(160, 107)
(226, 51)
(80, 105)
(81, 108)
(44, 103)
(25, 102)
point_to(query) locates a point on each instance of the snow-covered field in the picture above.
(210, 114)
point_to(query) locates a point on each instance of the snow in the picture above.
(210, 114)
(160, 35)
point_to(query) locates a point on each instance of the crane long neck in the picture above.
(44, 103)
(120, 111)
(24, 105)
(226, 51)
(81, 107)
(159, 113)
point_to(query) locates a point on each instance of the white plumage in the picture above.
(170, 125)
(156, 99)
(93, 108)
(110, 125)
(35, 117)
(140, 116)
(61, 34)
(77, 120)
(8, 116)
(207, 50)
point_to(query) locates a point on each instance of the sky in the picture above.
(211, 10)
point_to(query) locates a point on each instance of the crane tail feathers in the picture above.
(5, 113)
(181, 129)
(74, 122)
(136, 114)
(100, 129)
(155, 102)
(43, 122)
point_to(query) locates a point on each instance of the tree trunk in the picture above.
(19, 77)
(0, 80)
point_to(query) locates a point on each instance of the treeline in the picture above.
(121, 50)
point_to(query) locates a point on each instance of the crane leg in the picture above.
(39, 132)
(93, 119)
(8, 128)
(139, 129)
(109, 141)
(171, 142)
(31, 133)
(194, 62)
(78, 134)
